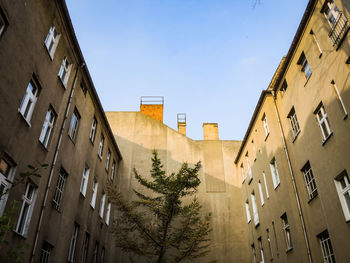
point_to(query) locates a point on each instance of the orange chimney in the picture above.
(210, 131)
(181, 123)
(152, 106)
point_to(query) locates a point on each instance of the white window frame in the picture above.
(6, 178)
(108, 159)
(85, 248)
(73, 243)
(247, 210)
(93, 129)
(286, 230)
(102, 205)
(342, 184)
(26, 211)
(249, 168)
(335, 88)
(274, 173)
(29, 100)
(64, 71)
(94, 193)
(60, 186)
(261, 193)
(51, 41)
(261, 250)
(292, 116)
(326, 247)
(255, 209)
(74, 125)
(265, 183)
(305, 66)
(45, 252)
(265, 124)
(322, 119)
(85, 180)
(100, 146)
(47, 128)
(310, 181)
(108, 213)
(332, 13)
(113, 170)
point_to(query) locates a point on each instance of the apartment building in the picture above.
(51, 114)
(294, 159)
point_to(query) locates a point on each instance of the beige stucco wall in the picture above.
(137, 135)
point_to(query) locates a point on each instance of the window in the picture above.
(317, 45)
(305, 68)
(83, 88)
(108, 213)
(261, 194)
(3, 22)
(113, 170)
(261, 250)
(284, 87)
(108, 159)
(94, 258)
(266, 127)
(322, 119)
(45, 252)
(26, 211)
(94, 193)
(326, 247)
(274, 173)
(253, 253)
(61, 181)
(6, 177)
(93, 130)
(74, 125)
(342, 184)
(28, 102)
(339, 98)
(255, 209)
(47, 127)
(84, 180)
(309, 180)
(292, 116)
(286, 230)
(267, 192)
(249, 168)
(269, 242)
(102, 205)
(102, 255)
(247, 211)
(85, 248)
(100, 146)
(64, 71)
(73, 242)
(331, 11)
(51, 41)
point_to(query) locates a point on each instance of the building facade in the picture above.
(281, 195)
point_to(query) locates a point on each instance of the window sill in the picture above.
(26, 121)
(267, 136)
(257, 225)
(43, 146)
(275, 187)
(20, 235)
(62, 83)
(82, 195)
(320, 55)
(295, 136)
(345, 117)
(307, 80)
(326, 140)
(312, 198)
(289, 250)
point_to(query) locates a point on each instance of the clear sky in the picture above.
(209, 58)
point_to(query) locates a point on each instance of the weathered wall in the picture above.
(137, 135)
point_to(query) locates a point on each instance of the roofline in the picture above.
(64, 9)
(252, 120)
(305, 19)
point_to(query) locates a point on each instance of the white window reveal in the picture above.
(342, 184)
(266, 126)
(322, 119)
(247, 211)
(29, 100)
(102, 205)
(274, 173)
(51, 41)
(108, 213)
(265, 183)
(335, 88)
(26, 211)
(249, 168)
(261, 194)
(47, 127)
(94, 193)
(255, 209)
(84, 180)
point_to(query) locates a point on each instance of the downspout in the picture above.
(293, 181)
(53, 164)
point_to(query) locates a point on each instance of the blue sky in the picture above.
(208, 58)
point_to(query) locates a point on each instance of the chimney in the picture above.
(210, 131)
(152, 106)
(181, 123)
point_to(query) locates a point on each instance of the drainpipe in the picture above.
(53, 164)
(293, 181)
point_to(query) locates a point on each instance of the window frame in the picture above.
(310, 181)
(85, 249)
(73, 243)
(93, 130)
(102, 205)
(265, 125)
(101, 146)
(294, 123)
(85, 180)
(74, 125)
(28, 203)
(51, 41)
(261, 194)
(343, 189)
(94, 193)
(108, 212)
(261, 250)
(326, 247)
(320, 110)
(335, 89)
(45, 252)
(47, 127)
(265, 183)
(59, 190)
(255, 209)
(29, 100)
(287, 232)
(304, 66)
(64, 71)
(274, 173)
